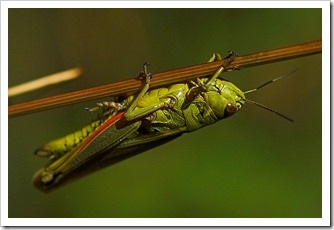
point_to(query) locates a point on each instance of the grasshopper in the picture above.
(138, 123)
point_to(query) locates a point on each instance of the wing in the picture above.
(125, 149)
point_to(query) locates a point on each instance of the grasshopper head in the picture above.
(224, 98)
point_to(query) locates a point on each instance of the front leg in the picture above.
(227, 61)
(193, 92)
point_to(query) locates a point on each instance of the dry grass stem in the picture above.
(44, 81)
(165, 78)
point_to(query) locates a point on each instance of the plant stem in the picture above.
(165, 78)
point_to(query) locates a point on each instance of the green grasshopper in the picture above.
(138, 123)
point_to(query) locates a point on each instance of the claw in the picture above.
(145, 74)
(231, 54)
(229, 58)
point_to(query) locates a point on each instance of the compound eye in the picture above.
(230, 109)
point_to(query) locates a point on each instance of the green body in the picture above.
(151, 118)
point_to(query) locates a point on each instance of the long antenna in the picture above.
(271, 81)
(265, 84)
(269, 109)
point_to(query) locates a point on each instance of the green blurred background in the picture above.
(254, 164)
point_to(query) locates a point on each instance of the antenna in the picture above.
(271, 81)
(265, 84)
(269, 109)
